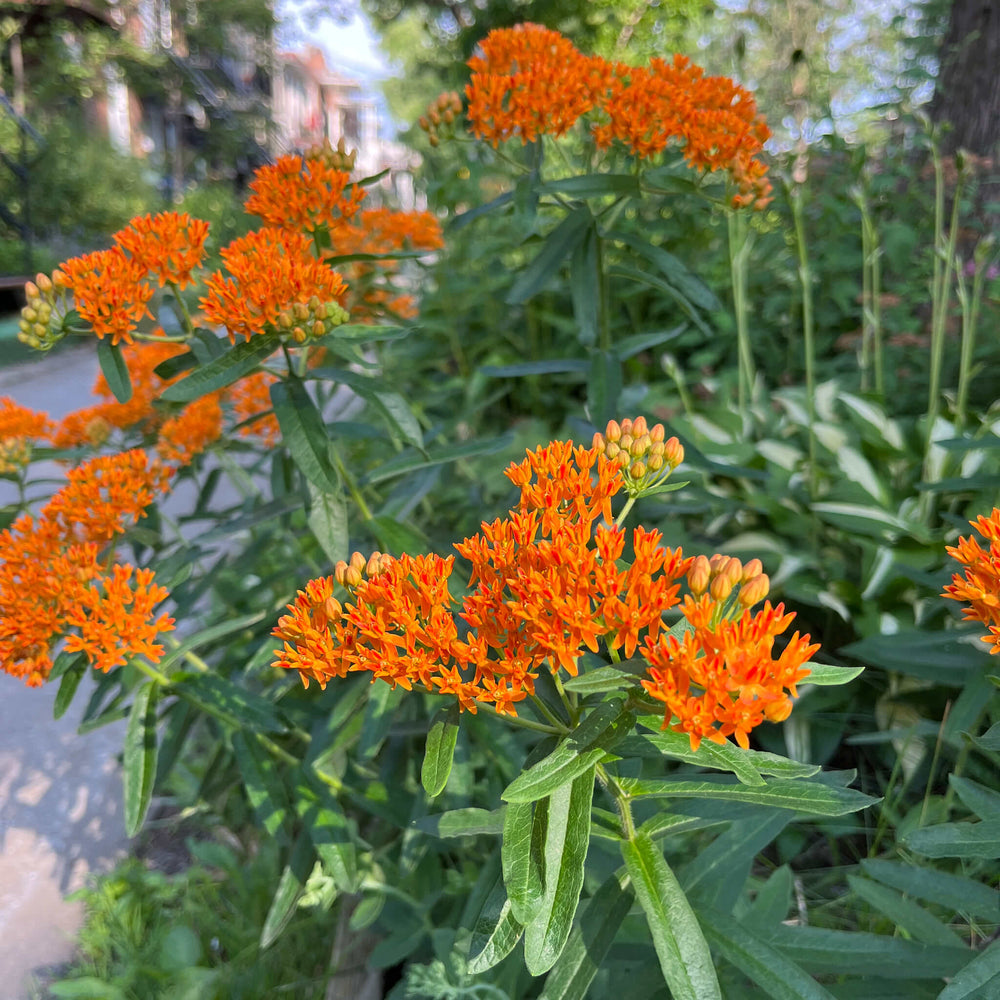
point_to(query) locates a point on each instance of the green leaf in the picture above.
(827, 674)
(938, 657)
(905, 914)
(328, 522)
(600, 681)
(139, 756)
(231, 705)
(592, 185)
(684, 956)
(264, 788)
(365, 333)
(585, 288)
(521, 853)
(399, 417)
(227, 368)
(808, 797)
(206, 635)
(87, 988)
(495, 933)
(629, 347)
(648, 280)
(773, 899)
(177, 365)
(304, 433)
(574, 755)
(440, 751)
(291, 885)
(555, 248)
(982, 971)
(382, 703)
(720, 756)
(557, 366)
(990, 740)
(67, 688)
(867, 521)
(114, 370)
(983, 801)
(409, 462)
(604, 387)
(768, 968)
(397, 538)
(470, 822)
(329, 830)
(957, 840)
(589, 941)
(956, 892)
(567, 837)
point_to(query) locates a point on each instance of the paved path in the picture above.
(60, 794)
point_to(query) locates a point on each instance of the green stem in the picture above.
(352, 486)
(280, 752)
(185, 314)
(970, 322)
(150, 671)
(623, 513)
(808, 331)
(603, 296)
(560, 726)
(623, 801)
(557, 729)
(739, 249)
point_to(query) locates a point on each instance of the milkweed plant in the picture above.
(584, 692)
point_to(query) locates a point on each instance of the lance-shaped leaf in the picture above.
(328, 521)
(976, 978)
(960, 894)
(680, 945)
(291, 885)
(440, 751)
(469, 822)
(114, 370)
(230, 704)
(304, 433)
(264, 788)
(555, 248)
(227, 368)
(585, 287)
(139, 758)
(495, 933)
(577, 752)
(521, 852)
(567, 837)
(768, 968)
(331, 833)
(589, 942)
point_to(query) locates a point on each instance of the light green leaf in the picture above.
(680, 945)
(469, 822)
(826, 674)
(291, 886)
(524, 826)
(567, 837)
(601, 681)
(328, 521)
(495, 933)
(330, 832)
(139, 756)
(263, 786)
(440, 751)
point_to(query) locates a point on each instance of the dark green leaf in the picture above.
(567, 837)
(604, 386)
(304, 433)
(238, 361)
(470, 822)
(589, 942)
(629, 347)
(114, 370)
(177, 365)
(557, 366)
(983, 801)
(592, 185)
(585, 288)
(522, 847)
(67, 688)
(408, 461)
(382, 703)
(459, 221)
(139, 756)
(957, 840)
(979, 979)
(904, 913)
(574, 755)
(263, 785)
(680, 944)
(555, 248)
(328, 522)
(291, 885)
(956, 892)
(330, 831)
(440, 751)
(206, 635)
(397, 538)
(990, 740)
(600, 681)
(225, 701)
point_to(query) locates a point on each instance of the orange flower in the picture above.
(250, 397)
(721, 679)
(980, 586)
(191, 431)
(49, 564)
(117, 623)
(304, 193)
(273, 275)
(110, 292)
(20, 428)
(530, 81)
(169, 245)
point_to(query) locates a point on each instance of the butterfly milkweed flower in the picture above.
(528, 81)
(275, 283)
(169, 246)
(303, 193)
(191, 431)
(20, 428)
(980, 586)
(56, 576)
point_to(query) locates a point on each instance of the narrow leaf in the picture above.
(328, 522)
(469, 822)
(592, 185)
(440, 751)
(957, 840)
(521, 852)
(971, 982)
(409, 462)
(495, 933)
(304, 433)
(904, 913)
(225, 701)
(684, 956)
(264, 789)
(227, 368)
(331, 833)
(555, 248)
(139, 757)
(960, 894)
(67, 688)
(585, 287)
(114, 369)
(291, 885)
(827, 674)
(604, 386)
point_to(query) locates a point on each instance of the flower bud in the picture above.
(598, 443)
(627, 425)
(340, 572)
(58, 280)
(299, 335)
(374, 561)
(655, 463)
(613, 432)
(626, 442)
(448, 116)
(657, 433)
(433, 141)
(31, 289)
(613, 450)
(778, 711)
(720, 588)
(641, 445)
(754, 590)
(674, 453)
(639, 427)
(333, 609)
(732, 571)
(300, 311)
(318, 329)
(637, 470)
(752, 569)
(31, 315)
(699, 576)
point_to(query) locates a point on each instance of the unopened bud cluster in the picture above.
(43, 318)
(336, 158)
(724, 577)
(309, 320)
(439, 122)
(15, 454)
(645, 457)
(350, 574)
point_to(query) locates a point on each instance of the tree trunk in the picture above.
(967, 94)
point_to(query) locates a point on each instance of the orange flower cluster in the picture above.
(20, 428)
(252, 396)
(191, 431)
(275, 277)
(109, 290)
(721, 678)
(53, 577)
(548, 582)
(305, 193)
(530, 81)
(980, 586)
(169, 245)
